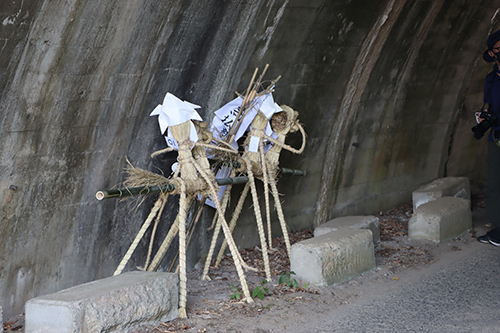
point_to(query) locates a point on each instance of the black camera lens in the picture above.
(490, 119)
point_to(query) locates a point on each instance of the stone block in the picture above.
(357, 222)
(443, 187)
(120, 303)
(441, 219)
(334, 257)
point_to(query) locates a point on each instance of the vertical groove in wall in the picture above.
(368, 55)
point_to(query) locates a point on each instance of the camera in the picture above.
(489, 120)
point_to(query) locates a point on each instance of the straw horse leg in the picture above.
(182, 251)
(160, 254)
(227, 234)
(266, 194)
(258, 217)
(225, 200)
(215, 236)
(281, 216)
(158, 204)
(153, 232)
(232, 225)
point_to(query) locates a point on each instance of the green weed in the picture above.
(236, 293)
(261, 290)
(286, 279)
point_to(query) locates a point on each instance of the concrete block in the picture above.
(357, 222)
(120, 303)
(441, 219)
(334, 257)
(443, 187)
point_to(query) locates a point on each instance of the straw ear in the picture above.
(203, 133)
(296, 126)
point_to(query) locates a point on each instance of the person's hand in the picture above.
(478, 117)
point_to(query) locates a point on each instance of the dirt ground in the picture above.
(213, 306)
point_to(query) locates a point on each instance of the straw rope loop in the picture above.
(290, 148)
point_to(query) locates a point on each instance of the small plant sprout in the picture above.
(287, 280)
(260, 290)
(236, 293)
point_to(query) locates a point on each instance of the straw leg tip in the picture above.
(205, 278)
(182, 313)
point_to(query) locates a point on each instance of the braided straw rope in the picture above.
(232, 151)
(232, 223)
(281, 218)
(160, 254)
(290, 148)
(153, 232)
(227, 234)
(258, 217)
(225, 201)
(182, 252)
(161, 151)
(158, 204)
(266, 193)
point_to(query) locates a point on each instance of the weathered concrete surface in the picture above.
(356, 222)
(385, 89)
(120, 303)
(441, 219)
(442, 187)
(334, 257)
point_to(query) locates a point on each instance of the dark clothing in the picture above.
(492, 95)
(492, 190)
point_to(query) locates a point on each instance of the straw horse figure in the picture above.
(264, 166)
(191, 178)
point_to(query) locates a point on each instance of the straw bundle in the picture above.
(138, 177)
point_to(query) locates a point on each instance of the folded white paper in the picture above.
(253, 146)
(173, 112)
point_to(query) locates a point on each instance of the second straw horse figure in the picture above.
(264, 166)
